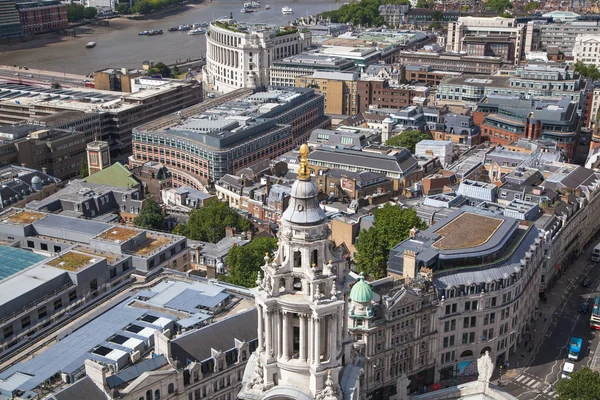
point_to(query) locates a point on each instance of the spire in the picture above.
(303, 171)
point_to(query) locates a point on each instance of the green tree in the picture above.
(75, 12)
(90, 12)
(141, 7)
(160, 68)
(364, 13)
(208, 223)
(243, 262)
(424, 4)
(83, 168)
(582, 385)
(498, 6)
(532, 6)
(465, 8)
(587, 71)
(123, 8)
(408, 139)
(435, 26)
(392, 224)
(437, 15)
(150, 217)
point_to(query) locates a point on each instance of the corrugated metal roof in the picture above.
(131, 373)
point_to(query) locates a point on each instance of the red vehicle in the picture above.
(90, 85)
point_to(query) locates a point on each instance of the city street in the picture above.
(34, 76)
(542, 368)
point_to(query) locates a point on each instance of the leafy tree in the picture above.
(583, 385)
(150, 217)
(498, 6)
(532, 6)
(437, 15)
(506, 14)
(392, 224)
(408, 139)
(160, 68)
(141, 7)
(123, 8)
(90, 12)
(208, 223)
(465, 8)
(243, 262)
(424, 4)
(75, 12)
(435, 26)
(587, 71)
(364, 13)
(83, 168)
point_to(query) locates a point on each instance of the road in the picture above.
(40, 77)
(542, 368)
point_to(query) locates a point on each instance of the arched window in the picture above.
(466, 353)
(171, 388)
(314, 257)
(157, 394)
(244, 355)
(149, 395)
(486, 349)
(297, 259)
(297, 284)
(281, 285)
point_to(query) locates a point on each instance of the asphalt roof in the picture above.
(13, 260)
(115, 175)
(133, 372)
(82, 389)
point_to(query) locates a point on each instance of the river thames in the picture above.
(120, 46)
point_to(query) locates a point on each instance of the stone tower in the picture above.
(301, 299)
(98, 156)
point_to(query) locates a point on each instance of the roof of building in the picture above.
(82, 389)
(13, 260)
(398, 162)
(361, 291)
(115, 175)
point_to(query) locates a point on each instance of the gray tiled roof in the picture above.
(82, 389)
(398, 163)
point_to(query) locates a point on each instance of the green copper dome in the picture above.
(361, 291)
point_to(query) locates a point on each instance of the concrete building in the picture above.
(227, 138)
(564, 35)
(185, 199)
(426, 75)
(238, 57)
(44, 16)
(116, 80)
(58, 152)
(283, 73)
(487, 37)
(486, 278)
(386, 94)
(586, 50)
(344, 137)
(86, 259)
(435, 148)
(452, 62)
(393, 14)
(338, 88)
(101, 5)
(459, 129)
(110, 115)
(10, 21)
(209, 258)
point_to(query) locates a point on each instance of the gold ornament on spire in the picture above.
(303, 171)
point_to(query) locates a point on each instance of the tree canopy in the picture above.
(90, 12)
(587, 71)
(208, 223)
(83, 168)
(532, 6)
(160, 68)
(123, 8)
(424, 4)
(392, 224)
(582, 385)
(408, 139)
(437, 15)
(75, 12)
(498, 6)
(243, 262)
(150, 217)
(146, 6)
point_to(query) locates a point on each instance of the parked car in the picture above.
(585, 283)
(584, 308)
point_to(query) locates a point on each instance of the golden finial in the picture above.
(303, 172)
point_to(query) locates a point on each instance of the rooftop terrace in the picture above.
(151, 245)
(466, 231)
(70, 261)
(24, 217)
(117, 233)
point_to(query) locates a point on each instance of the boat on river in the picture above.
(267, 7)
(287, 10)
(90, 45)
(198, 31)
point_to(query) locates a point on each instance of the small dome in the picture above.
(36, 179)
(361, 291)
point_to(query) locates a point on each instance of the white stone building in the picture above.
(240, 57)
(586, 49)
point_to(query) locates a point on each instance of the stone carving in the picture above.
(333, 292)
(266, 259)
(402, 387)
(257, 381)
(329, 393)
(328, 269)
(258, 281)
(485, 367)
(268, 286)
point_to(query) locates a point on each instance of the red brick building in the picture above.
(42, 17)
(380, 92)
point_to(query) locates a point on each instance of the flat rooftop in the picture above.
(151, 244)
(13, 260)
(117, 233)
(468, 230)
(70, 261)
(24, 218)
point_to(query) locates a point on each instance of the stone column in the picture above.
(317, 341)
(311, 340)
(286, 336)
(303, 343)
(268, 335)
(260, 328)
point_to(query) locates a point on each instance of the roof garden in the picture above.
(152, 244)
(70, 261)
(25, 217)
(467, 231)
(117, 233)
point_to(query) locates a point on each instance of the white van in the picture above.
(596, 253)
(567, 369)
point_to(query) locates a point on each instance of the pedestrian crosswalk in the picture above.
(533, 383)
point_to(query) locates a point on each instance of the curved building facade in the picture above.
(239, 57)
